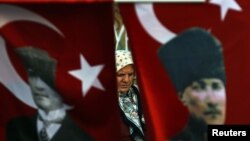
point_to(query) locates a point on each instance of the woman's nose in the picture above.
(126, 78)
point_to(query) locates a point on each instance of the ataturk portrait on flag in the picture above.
(195, 64)
(51, 121)
(57, 72)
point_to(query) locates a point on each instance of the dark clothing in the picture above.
(194, 131)
(25, 129)
(130, 131)
(125, 135)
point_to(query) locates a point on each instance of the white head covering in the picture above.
(123, 58)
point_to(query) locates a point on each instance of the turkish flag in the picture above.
(56, 1)
(80, 38)
(151, 25)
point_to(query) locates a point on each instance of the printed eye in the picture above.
(195, 86)
(198, 85)
(216, 86)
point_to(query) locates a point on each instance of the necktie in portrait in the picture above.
(43, 134)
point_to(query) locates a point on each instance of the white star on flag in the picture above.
(225, 5)
(88, 75)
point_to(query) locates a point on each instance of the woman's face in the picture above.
(206, 99)
(125, 77)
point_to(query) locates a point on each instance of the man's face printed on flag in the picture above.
(44, 96)
(206, 99)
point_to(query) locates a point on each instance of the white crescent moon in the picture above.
(8, 75)
(151, 24)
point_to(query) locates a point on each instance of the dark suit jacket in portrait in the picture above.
(25, 129)
(195, 130)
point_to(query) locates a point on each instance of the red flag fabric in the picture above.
(80, 38)
(55, 1)
(151, 25)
